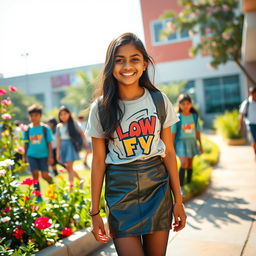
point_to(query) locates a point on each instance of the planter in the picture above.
(236, 142)
(81, 243)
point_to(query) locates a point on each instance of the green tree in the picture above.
(220, 25)
(79, 97)
(173, 90)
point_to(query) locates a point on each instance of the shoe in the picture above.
(81, 185)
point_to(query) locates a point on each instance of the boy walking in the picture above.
(38, 147)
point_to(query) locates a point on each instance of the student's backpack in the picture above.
(78, 142)
(178, 125)
(246, 107)
(44, 133)
(158, 100)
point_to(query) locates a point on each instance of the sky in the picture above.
(44, 35)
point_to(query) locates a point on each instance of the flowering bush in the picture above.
(26, 225)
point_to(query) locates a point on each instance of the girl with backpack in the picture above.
(68, 134)
(186, 134)
(133, 149)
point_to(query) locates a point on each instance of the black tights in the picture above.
(146, 245)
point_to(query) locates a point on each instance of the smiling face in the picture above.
(129, 65)
(64, 116)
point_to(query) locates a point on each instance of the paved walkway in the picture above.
(221, 222)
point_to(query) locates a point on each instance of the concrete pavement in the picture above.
(221, 222)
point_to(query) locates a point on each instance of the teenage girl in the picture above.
(139, 162)
(68, 131)
(186, 134)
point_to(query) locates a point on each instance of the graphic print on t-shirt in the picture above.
(36, 138)
(139, 135)
(188, 128)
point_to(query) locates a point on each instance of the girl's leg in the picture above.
(155, 244)
(189, 170)
(72, 173)
(127, 246)
(47, 177)
(183, 167)
(35, 175)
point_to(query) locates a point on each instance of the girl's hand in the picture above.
(179, 217)
(98, 229)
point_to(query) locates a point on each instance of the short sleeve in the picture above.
(174, 128)
(171, 116)
(94, 128)
(25, 136)
(242, 109)
(49, 136)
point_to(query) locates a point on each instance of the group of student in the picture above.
(51, 144)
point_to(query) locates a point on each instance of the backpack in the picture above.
(246, 108)
(78, 143)
(158, 100)
(178, 126)
(44, 133)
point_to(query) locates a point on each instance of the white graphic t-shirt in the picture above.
(138, 135)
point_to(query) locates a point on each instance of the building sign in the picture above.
(60, 81)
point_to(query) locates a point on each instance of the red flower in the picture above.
(25, 198)
(2, 92)
(18, 232)
(66, 232)
(7, 209)
(36, 193)
(42, 222)
(29, 182)
(12, 89)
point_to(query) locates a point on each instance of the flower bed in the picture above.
(28, 226)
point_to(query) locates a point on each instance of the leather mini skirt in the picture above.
(138, 198)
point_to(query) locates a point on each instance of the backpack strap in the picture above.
(246, 108)
(178, 128)
(158, 100)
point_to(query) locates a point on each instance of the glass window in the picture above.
(158, 26)
(222, 93)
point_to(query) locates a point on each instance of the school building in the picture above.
(48, 87)
(214, 90)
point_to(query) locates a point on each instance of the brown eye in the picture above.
(119, 61)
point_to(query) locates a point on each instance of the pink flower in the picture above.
(226, 35)
(7, 209)
(29, 182)
(61, 170)
(36, 193)
(208, 30)
(20, 150)
(23, 127)
(66, 232)
(6, 116)
(3, 110)
(225, 7)
(18, 232)
(34, 207)
(12, 89)
(2, 92)
(42, 222)
(2, 172)
(6, 102)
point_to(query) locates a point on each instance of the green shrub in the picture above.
(227, 125)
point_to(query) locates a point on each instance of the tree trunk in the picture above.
(245, 72)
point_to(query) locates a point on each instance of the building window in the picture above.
(158, 25)
(222, 93)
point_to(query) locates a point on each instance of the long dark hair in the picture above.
(112, 112)
(185, 97)
(72, 130)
